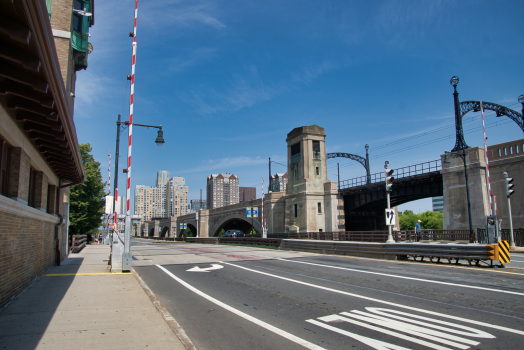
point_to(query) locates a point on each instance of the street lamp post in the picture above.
(121, 248)
(463, 156)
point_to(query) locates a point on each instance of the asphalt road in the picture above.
(231, 297)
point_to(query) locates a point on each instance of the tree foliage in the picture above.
(430, 220)
(87, 200)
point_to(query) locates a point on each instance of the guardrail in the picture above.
(271, 242)
(471, 252)
(78, 242)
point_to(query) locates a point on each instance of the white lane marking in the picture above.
(375, 344)
(205, 269)
(256, 321)
(404, 277)
(488, 325)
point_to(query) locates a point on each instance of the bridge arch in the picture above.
(361, 160)
(151, 232)
(462, 108)
(165, 232)
(237, 219)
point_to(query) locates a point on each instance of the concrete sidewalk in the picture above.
(81, 305)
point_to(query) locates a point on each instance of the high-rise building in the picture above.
(120, 205)
(246, 194)
(167, 199)
(278, 183)
(438, 203)
(222, 190)
(176, 197)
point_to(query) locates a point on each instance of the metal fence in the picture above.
(382, 236)
(518, 235)
(408, 171)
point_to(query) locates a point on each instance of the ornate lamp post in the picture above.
(122, 247)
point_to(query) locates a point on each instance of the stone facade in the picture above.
(506, 157)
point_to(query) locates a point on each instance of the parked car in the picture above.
(233, 233)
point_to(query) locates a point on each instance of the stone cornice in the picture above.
(13, 207)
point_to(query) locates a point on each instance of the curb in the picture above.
(171, 322)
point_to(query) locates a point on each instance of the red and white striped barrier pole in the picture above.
(126, 257)
(109, 171)
(262, 221)
(487, 160)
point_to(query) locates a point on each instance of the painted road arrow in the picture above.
(205, 269)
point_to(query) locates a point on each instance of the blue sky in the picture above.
(228, 80)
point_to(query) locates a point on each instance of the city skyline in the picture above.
(230, 80)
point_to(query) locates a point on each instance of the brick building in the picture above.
(222, 190)
(42, 50)
(246, 194)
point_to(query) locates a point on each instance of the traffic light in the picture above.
(509, 186)
(389, 179)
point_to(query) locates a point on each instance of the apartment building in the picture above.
(43, 46)
(167, 199)
(176, 197)
(222, 190)
(278, 183)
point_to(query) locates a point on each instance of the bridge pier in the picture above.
(505, 157)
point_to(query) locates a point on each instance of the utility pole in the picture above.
(338, 175)
(269, 189)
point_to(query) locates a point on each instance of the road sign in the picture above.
(391, 219)
(248, 212)
(255, 212)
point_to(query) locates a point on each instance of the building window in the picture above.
(32, 187)
(296, 210)
(316, 149)
(319, 207)
(318, 170)
(295, 153)
(5, 154)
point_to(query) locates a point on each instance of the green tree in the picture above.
(187, 233)
(87, 200)
(407, 220)
(429, 220)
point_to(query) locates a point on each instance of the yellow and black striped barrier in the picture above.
(499, 252)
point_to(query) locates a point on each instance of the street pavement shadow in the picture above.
(24, 321)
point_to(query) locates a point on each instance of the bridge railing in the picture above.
(518, 235)
(405, 172)
(382, 236)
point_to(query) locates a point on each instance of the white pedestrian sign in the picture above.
(391, 219)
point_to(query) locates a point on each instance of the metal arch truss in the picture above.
(468, 106)
(361, 160)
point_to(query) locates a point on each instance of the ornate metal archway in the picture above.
(461, 108)
(361, 160)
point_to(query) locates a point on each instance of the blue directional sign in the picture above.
(248, 212)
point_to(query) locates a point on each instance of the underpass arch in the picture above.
(236, 218)
(165, 232)
(151, 232)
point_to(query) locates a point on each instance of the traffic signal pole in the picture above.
(389, 181)
(509, 192)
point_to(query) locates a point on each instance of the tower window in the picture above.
(296, 210)
(319, 207)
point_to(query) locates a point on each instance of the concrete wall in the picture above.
(502, 157)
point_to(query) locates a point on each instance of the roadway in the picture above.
(231, 297)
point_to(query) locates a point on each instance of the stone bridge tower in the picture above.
(312, 201)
